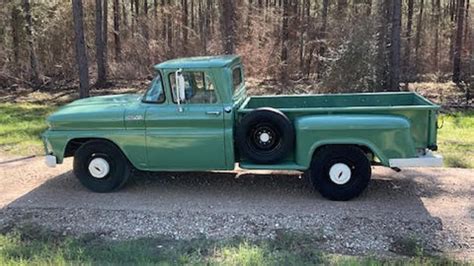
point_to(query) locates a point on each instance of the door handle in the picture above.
(216, 113)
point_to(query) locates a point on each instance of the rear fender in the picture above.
(386, 136)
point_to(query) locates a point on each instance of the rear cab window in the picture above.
(237, 78)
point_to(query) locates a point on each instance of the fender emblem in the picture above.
(134, 117)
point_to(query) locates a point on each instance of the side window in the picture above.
(237, 78)
(198, 88)
(155, 91)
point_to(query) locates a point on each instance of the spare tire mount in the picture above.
(265, 136)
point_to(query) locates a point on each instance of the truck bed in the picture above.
(421, 113)
(328, 102)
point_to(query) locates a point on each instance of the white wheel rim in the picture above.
(340, 173)
(264, 137)
(99, 168)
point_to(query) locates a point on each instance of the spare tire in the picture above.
(265, 136)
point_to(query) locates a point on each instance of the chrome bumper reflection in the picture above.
(428, 160)
(50, 160)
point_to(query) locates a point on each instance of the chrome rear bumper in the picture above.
(428, 160)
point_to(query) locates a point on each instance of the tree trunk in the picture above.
(169, 30)
(192, 15)
(163, 20)
(395, 46)
(124, 14)
(117, 41)
(185, 26)
(202, 26)
(407, 68)
(453, 19)
(284, 38)
(436, 41)
(146, 34)
(381, 61)
(31, 43)
(145, 7)
(249, 20)
(105, 31)
(469, 43)
(156, 29)
(452, 10)
(467, 28)
(81, 55)
(15, 28)
(200, 21)
(99, 44)
(322, 38)
(458, 43)
(306, 6)
(208, 25)
(227, 29)
(419, 30)
(132, 16)
(342, 8)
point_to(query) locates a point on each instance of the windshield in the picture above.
(155, 93)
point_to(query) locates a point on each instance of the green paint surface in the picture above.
(165, 136)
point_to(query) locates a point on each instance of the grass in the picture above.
(21, 126)
(32, 245)
(456, 139)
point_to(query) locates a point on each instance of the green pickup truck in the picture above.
(196, 116)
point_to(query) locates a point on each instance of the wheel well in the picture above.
(368, 151)
(74, 144)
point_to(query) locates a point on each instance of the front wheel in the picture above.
(100, 166)
(340, 172)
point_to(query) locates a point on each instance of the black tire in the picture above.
(119, 167)
(327, 158)
(275, 126)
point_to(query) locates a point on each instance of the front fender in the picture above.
(131, 142)
(387, 136)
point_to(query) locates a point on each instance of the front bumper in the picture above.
(427, 160)
(54, 145)
(51, 160)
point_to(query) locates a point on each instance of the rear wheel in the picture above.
(100, 166)
(340, 172)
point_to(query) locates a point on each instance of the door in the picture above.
(189, 136)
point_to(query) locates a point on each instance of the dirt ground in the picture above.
(432, 207)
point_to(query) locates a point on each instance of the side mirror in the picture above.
(180, 86)
(209, 85)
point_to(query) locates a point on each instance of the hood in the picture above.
(107, 100)
(102, 112)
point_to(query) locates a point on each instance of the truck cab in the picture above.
(196, 116)
(180, 130)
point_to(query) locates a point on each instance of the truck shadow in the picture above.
(392, 200)
(387, 190)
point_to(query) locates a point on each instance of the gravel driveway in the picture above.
(433, 207)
